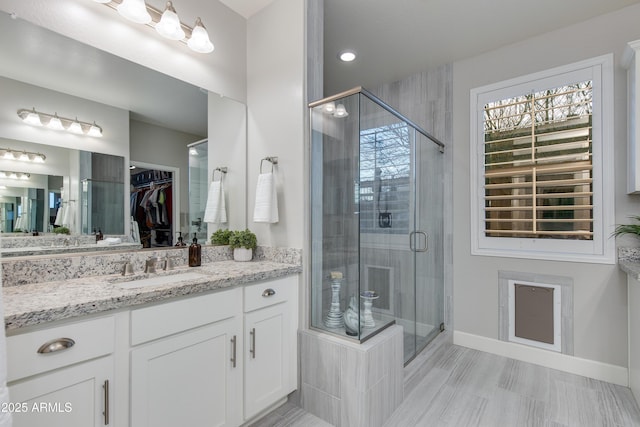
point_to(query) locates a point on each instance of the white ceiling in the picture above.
(395, 39)
(246, 8)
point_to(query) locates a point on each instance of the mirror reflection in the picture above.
(147, 118)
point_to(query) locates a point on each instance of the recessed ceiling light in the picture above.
(347, 55)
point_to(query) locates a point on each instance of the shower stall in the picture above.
(376, 221)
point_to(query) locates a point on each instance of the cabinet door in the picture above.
(189, 379)
(67, 397)
(267, 357)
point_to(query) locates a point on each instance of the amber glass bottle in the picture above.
(195, 253)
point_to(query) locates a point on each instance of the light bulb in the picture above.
(347, 56)
(193, 151)
(75, 127)
(340, 111)
(199, 41)
(8, 155)
(39, 158)
(24, 157)
(13, 175)
(3, 174)
(329, 108)
(33, 118)
(135, 11)
(169, 25)
(24, 176)
(55, 123)
(95, 130)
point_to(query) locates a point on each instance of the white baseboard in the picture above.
(562, 362)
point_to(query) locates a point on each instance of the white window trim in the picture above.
(602, 248)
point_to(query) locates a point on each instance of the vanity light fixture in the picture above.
(193, 151)
(14, 175)
(166, 23)
(134, 11)
(169, 25)
(32, 118)
(25, 156)
(56, 122)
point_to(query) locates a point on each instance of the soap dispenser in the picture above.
(181, 242)
(195, 253)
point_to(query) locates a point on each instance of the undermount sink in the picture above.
(160, 280)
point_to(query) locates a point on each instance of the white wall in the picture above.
(276, 115)
(166, 147)
(600, 305)
(222, 71)
(227, 120)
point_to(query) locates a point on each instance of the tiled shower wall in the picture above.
(426, 98)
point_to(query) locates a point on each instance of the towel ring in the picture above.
(272, 160)
(222, 170)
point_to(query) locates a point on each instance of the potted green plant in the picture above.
(61, 230)
(628, 228)
(243, 243)
(221, 237)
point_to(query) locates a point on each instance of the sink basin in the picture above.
(160, 280)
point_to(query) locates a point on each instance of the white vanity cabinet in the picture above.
(211, 359)
(270, 324)
(185, 363)
(61, 376)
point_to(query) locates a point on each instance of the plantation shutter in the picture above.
(538, 164)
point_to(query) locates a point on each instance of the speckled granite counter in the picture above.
(33, 304)
(72, 248)
(629, 261)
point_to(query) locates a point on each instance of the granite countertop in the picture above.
(33, 304)
(631, 267)
(49, 250)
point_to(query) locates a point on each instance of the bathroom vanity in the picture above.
(212, 345)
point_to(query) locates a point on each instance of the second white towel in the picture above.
(266, 208)
(216, 211)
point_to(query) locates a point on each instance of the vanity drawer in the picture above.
(269, 293)
(67, 344)
(169, 318)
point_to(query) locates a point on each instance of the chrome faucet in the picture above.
(150, 265)
(168, 262)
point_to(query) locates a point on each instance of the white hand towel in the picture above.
(59, 215)
(266, 208)
(216, 211)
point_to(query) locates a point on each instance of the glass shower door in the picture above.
(387, 207)
(427, 244)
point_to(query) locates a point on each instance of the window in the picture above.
(384, 187)
(542, 184)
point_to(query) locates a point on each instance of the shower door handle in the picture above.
(412, 239)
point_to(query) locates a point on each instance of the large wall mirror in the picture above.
(148, 119)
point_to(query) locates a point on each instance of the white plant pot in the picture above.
(242, 254)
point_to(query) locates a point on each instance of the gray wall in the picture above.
(600, 310)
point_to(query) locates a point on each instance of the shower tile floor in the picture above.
(453, 386)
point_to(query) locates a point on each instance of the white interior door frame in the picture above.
(175, 195)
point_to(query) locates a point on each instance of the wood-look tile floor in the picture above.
(452, 386)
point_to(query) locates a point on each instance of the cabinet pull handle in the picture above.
(56, 345)
(252, 350)
(268, 292)
(105, 386)
(233, 351)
